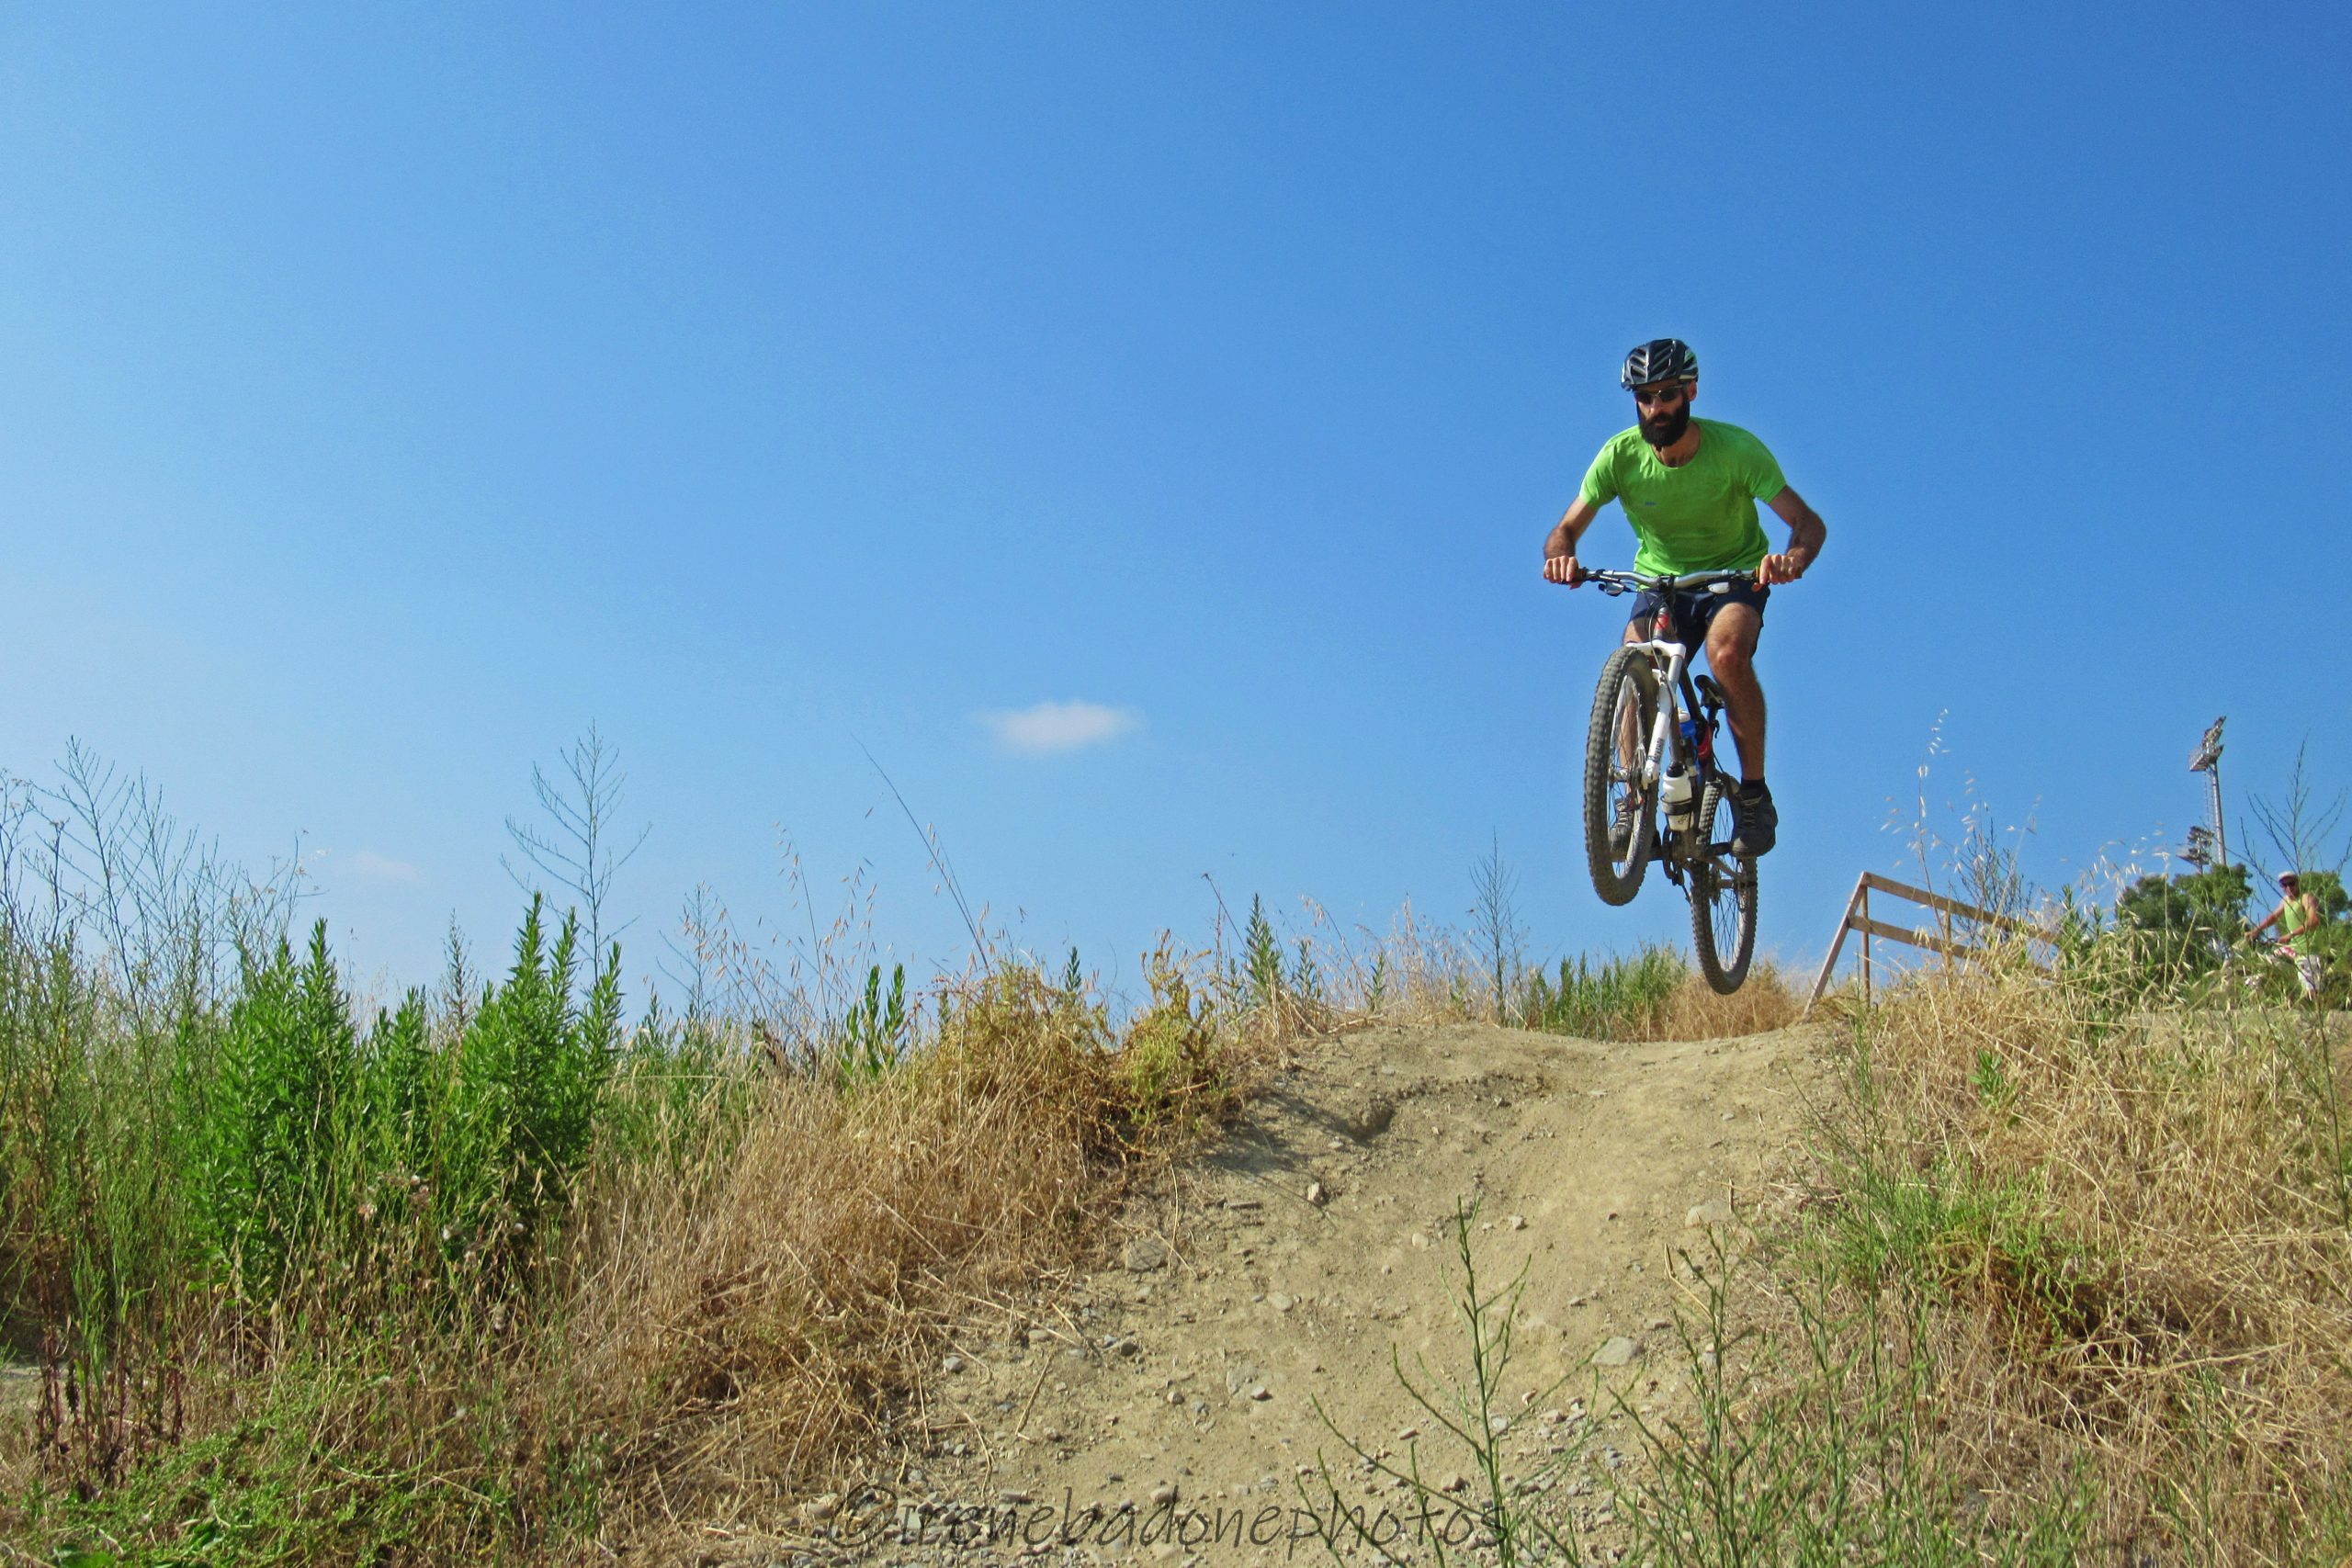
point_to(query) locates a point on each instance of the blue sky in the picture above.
(389, 392)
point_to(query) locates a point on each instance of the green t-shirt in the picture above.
(1699, 517)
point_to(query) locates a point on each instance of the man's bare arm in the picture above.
(1806, 531)
(1560, 549)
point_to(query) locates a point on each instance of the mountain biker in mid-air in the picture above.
(1690, 488)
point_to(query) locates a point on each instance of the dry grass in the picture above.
(2131, 1225)
(1695, 1011)
(745, 1332)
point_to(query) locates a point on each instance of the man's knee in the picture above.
(1731, 643)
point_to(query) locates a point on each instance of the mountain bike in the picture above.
(2255, 963)
(1652, 788)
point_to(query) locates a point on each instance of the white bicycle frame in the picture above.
(1669, 722)
(1667, 725)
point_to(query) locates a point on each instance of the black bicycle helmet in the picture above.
(1660, 359)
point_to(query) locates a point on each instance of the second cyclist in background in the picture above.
(1690, 488)
(2297, 917)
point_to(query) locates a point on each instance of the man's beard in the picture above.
(1664, 429)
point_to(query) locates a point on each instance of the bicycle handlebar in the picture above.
(1616, 582)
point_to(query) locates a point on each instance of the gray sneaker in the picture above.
(1757, 824)
(1620, 826)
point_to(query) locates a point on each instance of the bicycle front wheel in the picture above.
(1615, 795)
(1722, 896)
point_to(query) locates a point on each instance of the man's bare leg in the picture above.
(1731, 659)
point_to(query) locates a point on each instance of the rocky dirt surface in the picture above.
(1291, 1263)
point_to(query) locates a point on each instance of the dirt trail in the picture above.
(1280, 1268)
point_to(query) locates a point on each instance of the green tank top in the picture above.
(2292, 914)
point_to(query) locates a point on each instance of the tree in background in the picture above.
(2186, 924)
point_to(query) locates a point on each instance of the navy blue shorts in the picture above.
(1695, 613)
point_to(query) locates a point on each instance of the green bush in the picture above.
(307, 1130)
(282, 1096)
(520, 1104)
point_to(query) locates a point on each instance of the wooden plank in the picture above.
(1829, 965)
(1936, 901)
(1863, 920)
(1916, 939)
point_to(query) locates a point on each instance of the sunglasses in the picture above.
(1652, 397)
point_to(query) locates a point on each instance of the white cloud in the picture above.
(1048, 727)
(367, 862)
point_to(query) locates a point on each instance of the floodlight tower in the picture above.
(2207, 760)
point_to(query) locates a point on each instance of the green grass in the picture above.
(1616, 999)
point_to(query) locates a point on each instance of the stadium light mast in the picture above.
(2207, 760)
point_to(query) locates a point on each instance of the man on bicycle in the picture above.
(1690, 488)
(2297, 918)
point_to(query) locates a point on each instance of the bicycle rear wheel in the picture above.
(1722, 896)
(1623, 708)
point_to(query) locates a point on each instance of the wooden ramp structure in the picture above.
(1858, 917)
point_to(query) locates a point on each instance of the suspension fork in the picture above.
(1664, 737)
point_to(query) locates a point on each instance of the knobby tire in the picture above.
(1627, 678)
(1723, 897)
